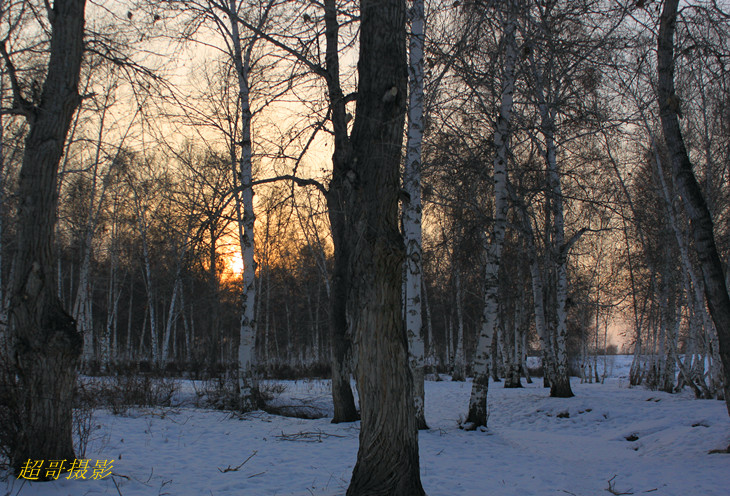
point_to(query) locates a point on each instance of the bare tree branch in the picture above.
(21, 106)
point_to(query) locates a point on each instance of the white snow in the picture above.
(530, 448)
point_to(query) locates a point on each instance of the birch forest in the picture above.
(380, 194)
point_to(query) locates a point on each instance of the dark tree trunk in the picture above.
(44, 338)
(716, 292)
(342, 396)
(387, 460)
(560, 387)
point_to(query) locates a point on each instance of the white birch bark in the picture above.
(187, 330)
(492, 248)
(82, 311)
(175, 307)
(82, 303)
(560, 383)
(246, 217)
(171, 317)
(147, 268)
(112, 306)
(693, 284)
(702, 227)
(538, 295)
(412, 210)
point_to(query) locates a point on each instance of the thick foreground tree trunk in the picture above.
(45, 343)
(387, 460)
(718, 299)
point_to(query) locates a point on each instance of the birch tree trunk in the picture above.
(387, 459)
(412, 209)
(187, 330)
(702, 227)
(109, 335)
(149, 287)
(247, 344)
(171, 317)
(693, 285)
(538, 296)
(44, 339)
(477, 416)
(555, 236)
(83, 303)
(176, 299)
(560, 383)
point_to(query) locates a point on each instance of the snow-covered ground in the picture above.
(535, 445)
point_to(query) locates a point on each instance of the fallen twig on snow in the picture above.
(612, 487)
(307, 437)
(231, 469)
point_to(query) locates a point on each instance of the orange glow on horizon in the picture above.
(232, 263)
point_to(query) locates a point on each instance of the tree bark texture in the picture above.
(387, 459)
(247, 218)
(716, 292)
(342, 397)
(46, 345)
(412, 210)
(477, 416)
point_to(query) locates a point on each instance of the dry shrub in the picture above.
(221, 393)
(120, 393)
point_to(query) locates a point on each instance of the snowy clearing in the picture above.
(644, 442)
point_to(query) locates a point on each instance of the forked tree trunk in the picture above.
(560, 382)
(171, 318)
(693, 285)
(387, 459)
(538, 296)
(149, 288)
(557, 249)
(412, 210)
(716, 291)
(340, 351)
(44, 338)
